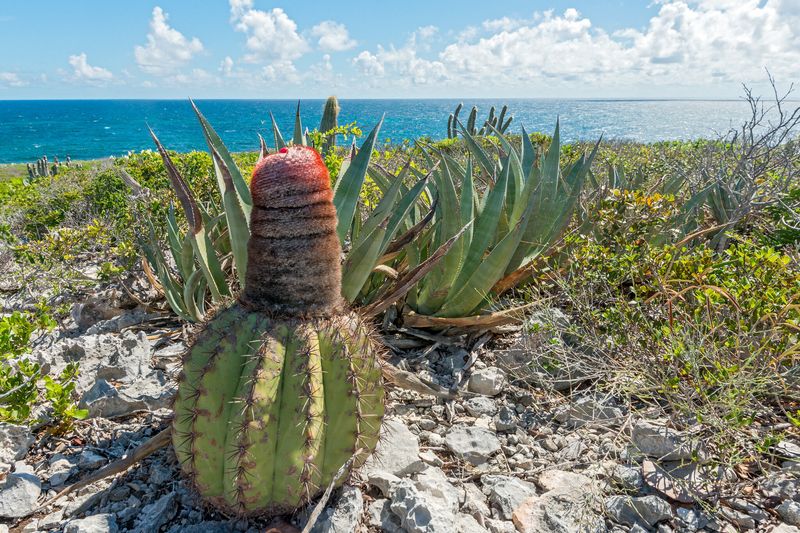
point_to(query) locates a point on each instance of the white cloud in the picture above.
(282, 72)
(271, 35)
(226, 66)
(427, 32)
(369, 64)
(332, 36)
(167, 49)
(83, 71)
(11, 79)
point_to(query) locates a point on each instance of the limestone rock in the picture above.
(99, 523)
(506, 493)
(15, 441)
(19, 494)
(397, 452)
(488, 381)
(473, 444)
(629, 511)
(789, 512)
(663, 443)
(344, 516)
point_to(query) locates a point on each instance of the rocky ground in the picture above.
(506, 456)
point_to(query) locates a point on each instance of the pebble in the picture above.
(506, 493)
(19, 494)
(488, 381)
(99, 523)
(15, 441)
(472, 444)
(662, 443)
(345, 514)
(789, 512)
(630, 510)
(397, 452)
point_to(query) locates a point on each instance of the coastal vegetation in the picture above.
(664, 275)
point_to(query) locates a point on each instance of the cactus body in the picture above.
(284, 387)
(329, 121)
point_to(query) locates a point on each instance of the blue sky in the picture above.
(433, 48)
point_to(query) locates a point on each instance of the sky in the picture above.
(52, 49)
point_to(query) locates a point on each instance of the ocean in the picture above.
(89, 129)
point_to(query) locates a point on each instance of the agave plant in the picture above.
(526, 203)
(214, 244)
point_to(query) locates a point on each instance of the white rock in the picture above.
(480, 406)
(420, 512)
(397, 452)
(629, 511)
(560, 481)
(627, 477)
(19, 494)
(466, 524)
(434, 482)
(473, 444)
(89, 459)
(99, 523)
(780, 528)
(489, 381)
(158, 513)
(588, 409)
(789, 512)
(662, 442)
(382, 480)
(380, 515)
(690, 519)
(15, 441)
(344, 516)
(557, 512)
(475, 500)
(506, 493)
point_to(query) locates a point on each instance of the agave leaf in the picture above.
(483, 233)
(406, 238)
(384, 208)
(401, 212)
(175, 240)
(348, 187)
(298, 139)
(404, 284)
(484, 161)
(237, 219)
(216, 144)
(276, 132)
(190, 295)
(360, 262)
(528, 153)
(474, 291)
(468, 211)
(263, 150)
(171, 288)
(437, 283)
(182, 190)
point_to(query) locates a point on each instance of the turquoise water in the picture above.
(87, 129)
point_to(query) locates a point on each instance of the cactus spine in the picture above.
(284, 387)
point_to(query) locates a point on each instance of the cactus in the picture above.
(330, 120)
(473, 115)
(283, 388)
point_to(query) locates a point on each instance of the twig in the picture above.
(138, 453)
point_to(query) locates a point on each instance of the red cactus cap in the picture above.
(294, 171)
